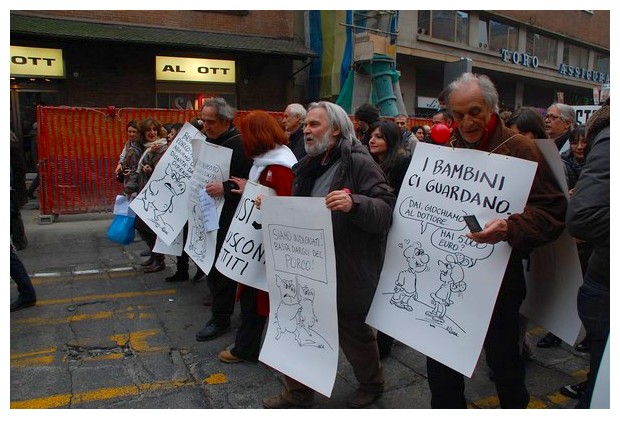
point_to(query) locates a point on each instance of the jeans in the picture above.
(593, 309)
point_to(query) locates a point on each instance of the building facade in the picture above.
(164, 59)
(535, 58)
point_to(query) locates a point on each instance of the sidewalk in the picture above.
(75, 245)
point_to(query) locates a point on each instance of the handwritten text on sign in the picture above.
(299, 251)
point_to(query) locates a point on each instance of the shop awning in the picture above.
(25, 25)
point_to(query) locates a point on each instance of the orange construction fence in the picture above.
(79, 148)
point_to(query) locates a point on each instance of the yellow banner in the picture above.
(194, 70)
(36, 62)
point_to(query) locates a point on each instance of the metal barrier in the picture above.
(78, 152)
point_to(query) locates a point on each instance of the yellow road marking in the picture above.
(138, 340)
(40, 281)
(100, 315)
(67, 399)
(217, 378)
(110, 296)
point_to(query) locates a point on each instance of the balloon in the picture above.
(440, 133)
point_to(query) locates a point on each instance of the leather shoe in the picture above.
(155, 268)
(178, 277)
(227, 357)
(362, 398)
(548, 341)
(148, 262)
(208, 301)
(212, 331)
(18, 304)
(583, 346)
(278, 402)
(145, 253)
(200, 275)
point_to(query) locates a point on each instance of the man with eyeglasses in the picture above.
(559, 122)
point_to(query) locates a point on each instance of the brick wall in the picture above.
(269, 23)
(592, 28)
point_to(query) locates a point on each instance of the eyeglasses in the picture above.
(551, 117)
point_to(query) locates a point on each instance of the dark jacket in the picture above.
(239, 167)
(296, 143)
(588, 214)
(359, 234)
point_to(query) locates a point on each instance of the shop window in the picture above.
(449, 25)
(543, 47)
(575, 56)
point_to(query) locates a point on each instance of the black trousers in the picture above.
(501, 345)
(250, 333)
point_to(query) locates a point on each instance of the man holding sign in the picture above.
(473, 101)
(356, 191)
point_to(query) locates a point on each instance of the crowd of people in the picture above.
(319, 152)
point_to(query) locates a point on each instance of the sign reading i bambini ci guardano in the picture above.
(194, 70)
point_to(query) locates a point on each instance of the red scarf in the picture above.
(488, 132)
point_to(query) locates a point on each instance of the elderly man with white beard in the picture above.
(356, 191)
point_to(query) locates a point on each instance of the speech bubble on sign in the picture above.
(428, 213)
(455, 242)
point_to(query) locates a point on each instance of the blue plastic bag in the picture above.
(122, 229)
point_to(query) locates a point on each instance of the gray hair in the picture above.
(338, 118)
(297, 110)
(489, 92)
(225, 112)
(567, 113)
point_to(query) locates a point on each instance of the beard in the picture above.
(319, 145)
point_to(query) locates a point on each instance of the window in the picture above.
(542, 47)
(575, 56)
(502, 36)
(601, 62)
(449, 25)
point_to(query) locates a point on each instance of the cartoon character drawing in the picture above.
(451, 275)
(198, 239)
(405, 288)
(307, 317)
(160, 194)
(289, 310)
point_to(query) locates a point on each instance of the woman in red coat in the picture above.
(265, 143)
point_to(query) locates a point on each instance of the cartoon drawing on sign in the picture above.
(198, 238)
(452, 278)
(160, 194)
(405, 288)
(295, 313)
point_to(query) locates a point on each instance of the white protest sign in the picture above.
(554, 274)
(583, 113)
(175, 248)
(601, 392)
(208, 209)
(212, 165)
(162, 203)
(302, 333)
(242, 256)
(438, 288)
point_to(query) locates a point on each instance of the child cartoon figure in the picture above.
(451, 276)
(405, 287)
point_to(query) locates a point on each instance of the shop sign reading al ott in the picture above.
(195, 70)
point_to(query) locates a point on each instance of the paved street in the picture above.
(105, 335)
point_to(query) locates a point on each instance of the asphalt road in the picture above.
(103, 335)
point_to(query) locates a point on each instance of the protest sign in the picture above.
(438, 288)
(212, 164)
(302, 333)
(242, 256)
(162, 203)
(175, 248)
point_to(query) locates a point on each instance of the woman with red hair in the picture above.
(265, 143)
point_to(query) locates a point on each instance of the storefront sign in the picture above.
(519, 58)
(428, 103)
(581, 73)
(194, 70)
(36, 62)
